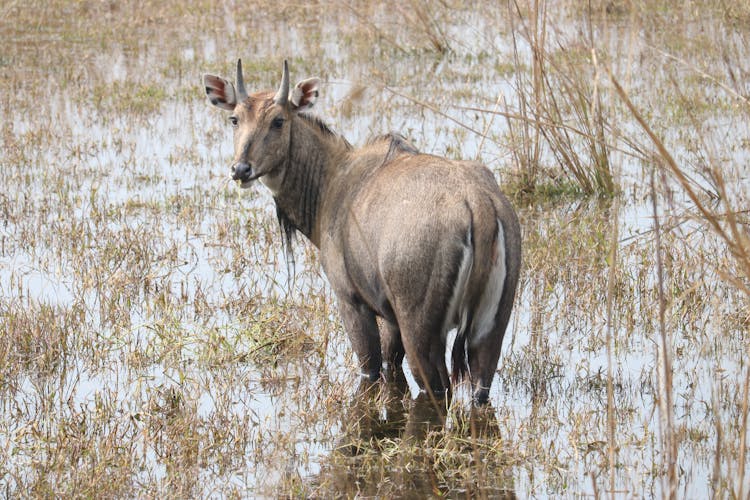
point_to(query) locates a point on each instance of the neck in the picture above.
(313, 150)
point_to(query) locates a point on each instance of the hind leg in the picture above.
(359, 322)
(484, 347)
(437, 358)
(426, 355)
(483, 359)
(392, 348)
(428, 375)
(391, 344)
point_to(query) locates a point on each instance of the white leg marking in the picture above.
(484, 320)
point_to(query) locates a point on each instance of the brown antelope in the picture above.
(425, 243)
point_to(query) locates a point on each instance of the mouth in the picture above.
(245, 174)
(245, 179)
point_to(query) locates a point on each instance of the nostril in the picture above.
(240, 170)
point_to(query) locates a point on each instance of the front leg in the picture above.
(359, 322)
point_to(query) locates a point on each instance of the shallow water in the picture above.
(153, 334)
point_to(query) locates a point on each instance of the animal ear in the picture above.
(305, 94)
(220, 92)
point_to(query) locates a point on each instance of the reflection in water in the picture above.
(395, 447)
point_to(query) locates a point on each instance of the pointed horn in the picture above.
(282, 95)
(241, 92)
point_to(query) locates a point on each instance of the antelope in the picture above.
(424, 243)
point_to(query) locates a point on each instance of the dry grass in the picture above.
(152, 344)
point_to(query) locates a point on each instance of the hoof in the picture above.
(436, 393)
(481, 396)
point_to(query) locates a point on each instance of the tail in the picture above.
(460, 369)
(481, 295)
(458, 307)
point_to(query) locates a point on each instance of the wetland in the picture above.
(156, 342)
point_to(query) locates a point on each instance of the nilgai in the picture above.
(425, 243)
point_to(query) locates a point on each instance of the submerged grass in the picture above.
(153, 344)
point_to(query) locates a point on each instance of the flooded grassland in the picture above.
(154, 340)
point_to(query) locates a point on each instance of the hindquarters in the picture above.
(424, 277)
(432, 245)
(469, 284)
(485, 317)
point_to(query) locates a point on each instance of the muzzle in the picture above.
(244, 173)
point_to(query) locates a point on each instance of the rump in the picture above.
(481, 306)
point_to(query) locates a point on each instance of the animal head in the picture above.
(262, 123)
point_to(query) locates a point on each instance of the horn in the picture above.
(282, 95)
(242, 93)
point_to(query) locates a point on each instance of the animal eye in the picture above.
(277, 122)
(233, 120)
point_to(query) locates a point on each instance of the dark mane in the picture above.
(288, 226)
(397, 144)
(321, 125)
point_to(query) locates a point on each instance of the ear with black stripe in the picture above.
(220, 92)
(304, 94)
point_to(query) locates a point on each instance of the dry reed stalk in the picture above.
(716, 473)
(633, 149)
(554, 97)
(611, 420)
(736, 240)
(743, 436)
(427, 24)
(531, 130)
(739, 246)
(611, 281)
(591, 170)
(664, 360)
